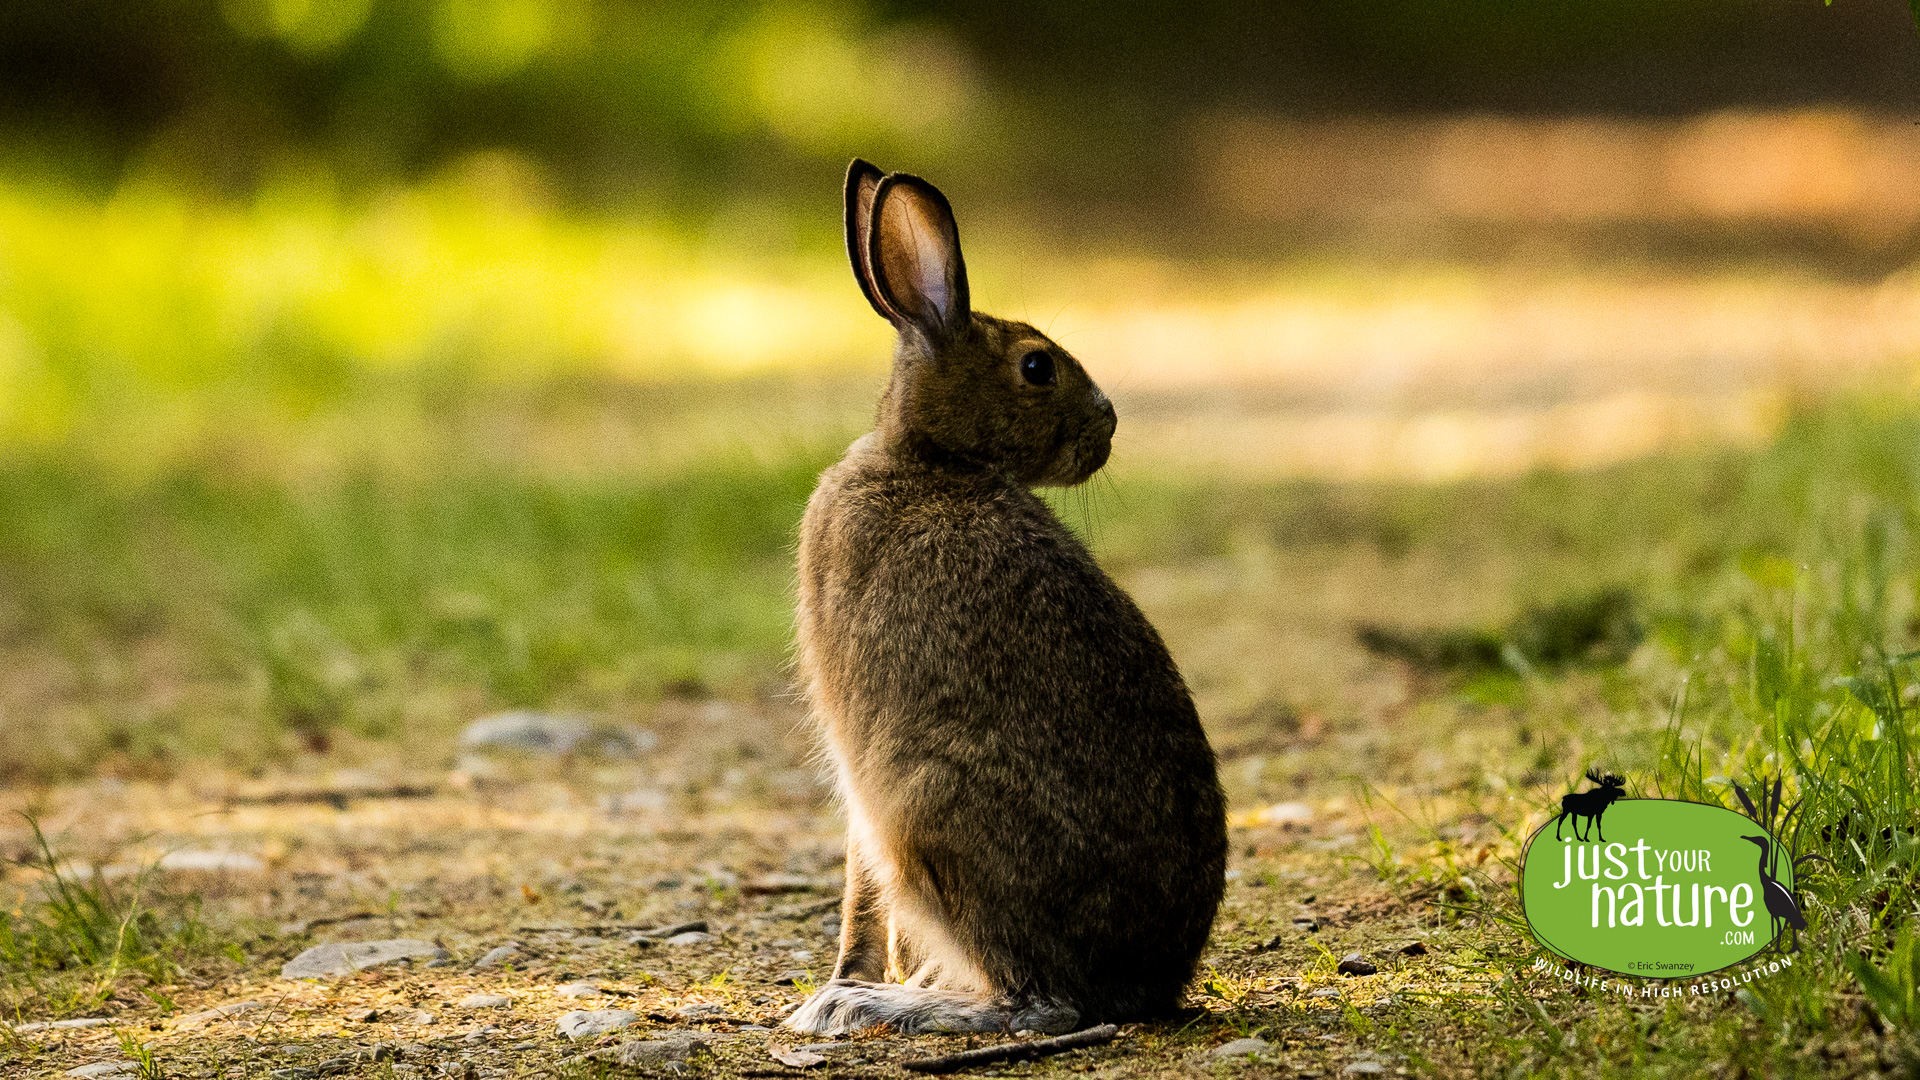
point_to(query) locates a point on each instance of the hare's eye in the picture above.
(1037, 368)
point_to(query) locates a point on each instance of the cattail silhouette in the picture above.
(1590, 804)
(1780, 902)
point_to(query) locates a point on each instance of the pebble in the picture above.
(584, 989)
(1328, 992)
(106, 1068)
(555, 735)
(1355, 964)
(211, 861)
(484, 1001)
(64, 1025)
(294, 1072)
(1286, 813)
(699, 1009)
(410, 1016)
(788, 978)
(581, 1024)
(498, 955)
(691, 937)
(1418, 948)
(654, 1052)
(1240, 1048)
(345, 958)
(1364, 1068)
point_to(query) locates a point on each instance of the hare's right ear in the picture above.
(914, 255)
(863, 180)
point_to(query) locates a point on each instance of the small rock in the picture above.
(788, 978)
(294, 1072)
(659, 932)
(1418, 948)
(498, 955)
(585, 989)
(699, 1010)
(1307, 923)
(105, 1069)
(480, 1034)
(220, 1012)
(1327, 992)
(1239, 1048)
(484, 1001)
(459, 1070)
(542, 733)
(1355, 964)
(335, 1065)
(363, 1016)
(211, 861)
(1286, 813)
(581, 1024)
(410, 1016)
(1364, 1068)
(802, 956)
(345, 958)
(678, 1048)
(691, 937)
(439, 961)
(65, 1025)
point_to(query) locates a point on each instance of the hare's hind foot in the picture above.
(844, 1006)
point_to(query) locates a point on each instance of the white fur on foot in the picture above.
(844, 1006)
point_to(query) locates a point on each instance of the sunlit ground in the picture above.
(296, 488)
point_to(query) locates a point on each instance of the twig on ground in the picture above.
(1020, 1051)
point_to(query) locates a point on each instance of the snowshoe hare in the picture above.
(1037, 835)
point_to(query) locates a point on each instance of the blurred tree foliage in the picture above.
(623, 99)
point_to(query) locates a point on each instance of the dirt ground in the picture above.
(724, 827)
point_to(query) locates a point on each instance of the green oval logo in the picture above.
(1656, 888)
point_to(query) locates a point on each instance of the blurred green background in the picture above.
(367, 365)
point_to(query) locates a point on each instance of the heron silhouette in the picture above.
(1780, 902)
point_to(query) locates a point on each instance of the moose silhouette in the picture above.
(1590, 804)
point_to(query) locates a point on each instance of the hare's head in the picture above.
(969, 391)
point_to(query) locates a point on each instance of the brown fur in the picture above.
(1036, 821)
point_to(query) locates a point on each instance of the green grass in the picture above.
(206, 612)
(344, 610)
(84, 937)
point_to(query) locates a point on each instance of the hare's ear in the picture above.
(863, 179)
(914, 251)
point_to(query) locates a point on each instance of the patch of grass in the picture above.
(74, 946)
(195, 615)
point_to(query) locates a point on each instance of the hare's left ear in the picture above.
(863, 180)
(914, 252)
